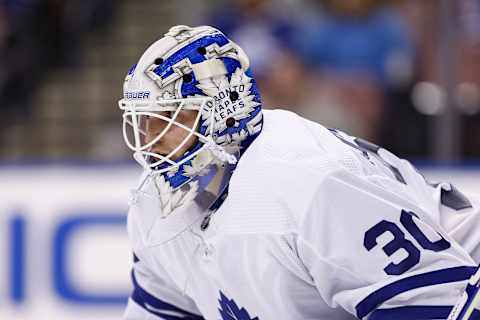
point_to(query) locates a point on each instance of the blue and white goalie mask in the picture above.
(197, 72)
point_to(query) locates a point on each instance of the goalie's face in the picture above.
(173, 136)
(166, 133)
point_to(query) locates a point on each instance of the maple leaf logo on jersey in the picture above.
(230, 311)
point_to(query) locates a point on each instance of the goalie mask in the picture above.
(200, 72)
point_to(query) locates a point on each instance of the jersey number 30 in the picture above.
(400, 242)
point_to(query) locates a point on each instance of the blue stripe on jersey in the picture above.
(417, 313)
(472, 292)
(412, 312)
(158, 307)
(369, 303)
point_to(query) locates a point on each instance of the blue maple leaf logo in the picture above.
(230, 311)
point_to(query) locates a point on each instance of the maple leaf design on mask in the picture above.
(245, 103)
(170, 198)
(199, 165)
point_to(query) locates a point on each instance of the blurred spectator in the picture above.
(425, 18)
(284, 82)
(362, 36)
(36, 35)
(257, 27)
(467, 91)
(359, 37)
(361, 50)
(3, 43)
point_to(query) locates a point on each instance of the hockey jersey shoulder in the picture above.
(363, 240)
(289, 137)
(273, 180)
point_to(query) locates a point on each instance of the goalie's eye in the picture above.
(168, 114)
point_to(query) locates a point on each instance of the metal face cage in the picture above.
(136, 114)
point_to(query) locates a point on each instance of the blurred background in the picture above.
(404, 74)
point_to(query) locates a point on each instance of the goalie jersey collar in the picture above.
(156, 230)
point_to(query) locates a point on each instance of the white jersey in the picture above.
(316, 225)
